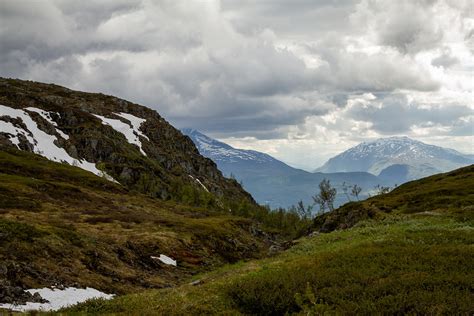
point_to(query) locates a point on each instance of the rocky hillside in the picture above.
(118, 140)
(100, 192)
(64, 226)
(398, 158)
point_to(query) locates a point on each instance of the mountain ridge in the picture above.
(420, 159)
(94, 190)
(108, 136)
(273, 182)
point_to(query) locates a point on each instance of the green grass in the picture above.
(451, 193)
(410, 264)
(415, 256)
(60, 224)
(407, 252)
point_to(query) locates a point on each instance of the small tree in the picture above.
(379, 189)
(302, 211)
(345, 189)
(326, 195)
(355, 191)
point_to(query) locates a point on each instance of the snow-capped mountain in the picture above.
(271, 181)
(400, 157)
(221, 152)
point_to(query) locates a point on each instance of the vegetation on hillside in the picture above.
(414, 259)
(61, 224)
(172, 168)
(451, 192)
(411, 264)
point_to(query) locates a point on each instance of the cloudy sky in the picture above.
(299, 79)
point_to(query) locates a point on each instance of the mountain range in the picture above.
(385, 162)
(399, 159)
(271, 181)
(100, 196)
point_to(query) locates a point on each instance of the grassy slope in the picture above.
(451, 192)
(415, 256)
(61, 224)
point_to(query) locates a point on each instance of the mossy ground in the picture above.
(414, 257)
(60, 224)
(418, 264)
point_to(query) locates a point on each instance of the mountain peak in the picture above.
(375, 156)
(222, 152)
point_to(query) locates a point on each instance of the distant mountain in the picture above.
(271, 181)
(397, 159)
(222, 152)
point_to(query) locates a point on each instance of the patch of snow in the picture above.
(107, 176)
(43, 143)
(135, 121)
(165, 260)
(58, 299)
(13, 131)
(218, 151)
(47, 116)
(199, 182)
(131, 133)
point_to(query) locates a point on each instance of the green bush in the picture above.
(285, 221)
(10, 230)
(400, 277)
(270, 291)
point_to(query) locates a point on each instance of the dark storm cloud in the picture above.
(236, 68)
(394, 114)
(301, 18)
(406, 25)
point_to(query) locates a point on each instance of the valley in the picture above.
(226, 157)
(406, 252)
(274, 183)
(103, 197)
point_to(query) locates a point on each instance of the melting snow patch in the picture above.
(199, 182)
(58, 299)
(47, 116)
(43, 143)
(131, 133)
(165, 260)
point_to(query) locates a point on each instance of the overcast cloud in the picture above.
(301, 80)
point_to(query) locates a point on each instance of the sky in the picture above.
(301, 80)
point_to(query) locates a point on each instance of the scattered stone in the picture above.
(274, 249)
(197, 282)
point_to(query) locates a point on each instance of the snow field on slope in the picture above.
(57, 299)
(47, 116)
(131, 133)
(43, 143)
(165, 259)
